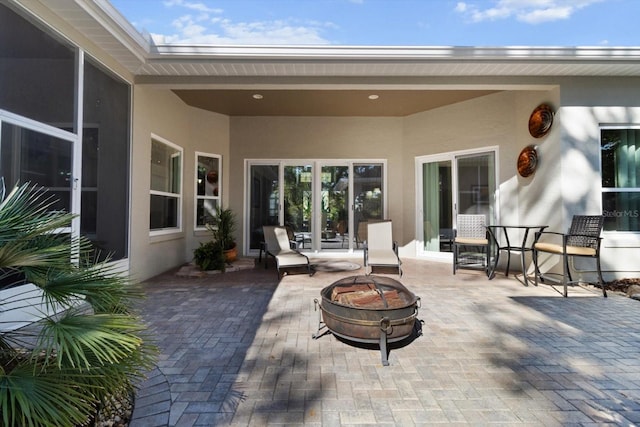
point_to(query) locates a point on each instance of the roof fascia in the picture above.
(118, 26)
(397, 53)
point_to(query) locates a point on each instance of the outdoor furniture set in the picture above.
(380, 250)
(474, 242)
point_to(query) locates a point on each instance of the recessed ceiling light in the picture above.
(257, 96)
(373, 97)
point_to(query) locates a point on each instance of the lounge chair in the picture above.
(380, 249)
(278, 245)
(582, 240)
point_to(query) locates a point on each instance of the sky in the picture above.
(611, 23)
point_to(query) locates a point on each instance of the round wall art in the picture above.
(527, 161)
(540, 121)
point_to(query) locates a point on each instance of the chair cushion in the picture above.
(571, 250)
(382, 257)
(290, 259)
(471, 241)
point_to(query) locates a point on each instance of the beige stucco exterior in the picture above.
(161, 113)
(567, 181)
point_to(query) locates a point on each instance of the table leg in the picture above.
(524, 271)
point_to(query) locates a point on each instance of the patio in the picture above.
(237, 350)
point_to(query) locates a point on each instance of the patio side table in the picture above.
(514, 245)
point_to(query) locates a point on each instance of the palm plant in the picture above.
(58, 370)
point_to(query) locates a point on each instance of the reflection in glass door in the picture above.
(298, 203)
(323, 202)
(368, 193)
(264, 201)
(443, 197)
(476, 184)
(334, 201)
(437, 217)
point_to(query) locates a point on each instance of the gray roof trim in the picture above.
(104, 25)
(349, 53)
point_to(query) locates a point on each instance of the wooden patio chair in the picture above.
(582, 240)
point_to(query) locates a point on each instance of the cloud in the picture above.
(528, 11)
(192, 29)
(199, 7)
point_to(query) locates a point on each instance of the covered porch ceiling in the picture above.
(297, 102)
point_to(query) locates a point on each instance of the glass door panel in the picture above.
(437, 206)
(368, 194)
(476, 184)
(298, 203)
(334, 200)
(264, 201)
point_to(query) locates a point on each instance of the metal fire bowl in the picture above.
(368, 325)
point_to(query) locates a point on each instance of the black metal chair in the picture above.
(582, 240)
(471, 234)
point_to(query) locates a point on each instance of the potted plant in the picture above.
(222, 228)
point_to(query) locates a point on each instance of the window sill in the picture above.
(621, 239)
(166, 236)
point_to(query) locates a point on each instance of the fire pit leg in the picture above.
(317, 334)
(384, 327)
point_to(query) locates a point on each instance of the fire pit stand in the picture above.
(367, 309)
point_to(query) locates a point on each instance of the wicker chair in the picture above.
(471, 234)
(582, 240)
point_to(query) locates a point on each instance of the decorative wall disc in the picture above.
(527, 161)
(540, 121)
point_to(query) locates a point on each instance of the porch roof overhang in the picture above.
(229, 73)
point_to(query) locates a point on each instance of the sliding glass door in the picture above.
(298, 203)
(448, 185)
(264, 202)
(334, 203)
(321, 201)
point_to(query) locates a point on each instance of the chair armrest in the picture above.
(539, 234)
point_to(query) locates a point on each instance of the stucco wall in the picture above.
(500, 119)
(162, 113)
(588, 104)
(318, 138)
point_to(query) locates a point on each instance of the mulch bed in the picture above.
(621, 285)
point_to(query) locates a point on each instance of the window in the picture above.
(620, 168)
(166, 186)
(208, 185)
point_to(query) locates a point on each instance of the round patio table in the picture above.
(511, 244)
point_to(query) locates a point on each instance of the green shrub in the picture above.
(58, 370)
(209, 256)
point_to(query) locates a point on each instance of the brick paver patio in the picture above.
(237, 350)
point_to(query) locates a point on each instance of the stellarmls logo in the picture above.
(629, 213)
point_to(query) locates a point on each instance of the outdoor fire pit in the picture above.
(368, 309)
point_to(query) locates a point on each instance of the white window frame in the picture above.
(197, 197)
(179, 196)
(617, 238)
